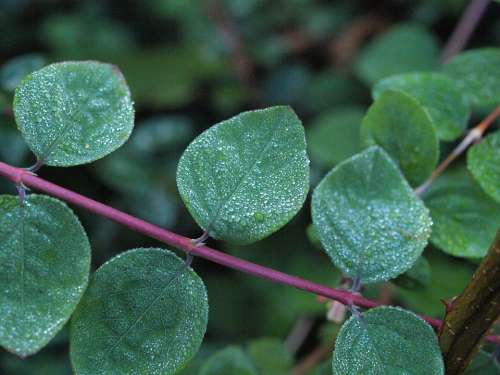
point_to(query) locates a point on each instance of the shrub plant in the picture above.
(145, 311)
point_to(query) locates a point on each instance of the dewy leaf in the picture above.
(334, 136)
(439, 95)
(229, 361)
(478, 77)
(44, 268)
(387, 340)
(465, 217)
(73, 113)
(144, 312)
(369, 220)
(246, 177)
(403, 48)
(399, 124)
(483, 160)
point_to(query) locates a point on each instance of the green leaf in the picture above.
(465, 218)
(330, 88)
(389, 341)
(246, 177)
(403, 48)
(13, 149)
(399, 124)
(229, 361)
(477, 76)
(73, 113)
(85, 34)
(417, 277)
(483, 160)
(166, 77)
(45, 263)
(14, 70)
(439, 95)
(449, 276)
(369, 220)
(161, 134)
(270, 356)
(144, 312)
(483, 364)
(334, 136)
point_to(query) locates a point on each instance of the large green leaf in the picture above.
(334, 136)
(44, 268)
(465, 218)
(439, 95)
(74, 112)
(229, 361)
(144, 312)
(369, 220)
(246, 177)
(483, 160)
(403, 48)
(389, 341)
(477, 75)
(400, 125)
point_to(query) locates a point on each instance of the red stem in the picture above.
(21, 176)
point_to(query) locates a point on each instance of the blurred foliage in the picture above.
(191, 64)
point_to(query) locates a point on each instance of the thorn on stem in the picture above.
(447, 304)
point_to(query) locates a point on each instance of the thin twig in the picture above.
(22, 176)
(312, 359)
(299, 333)
(474, 135)
(464, 29)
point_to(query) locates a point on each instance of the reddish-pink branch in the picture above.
(21, 176)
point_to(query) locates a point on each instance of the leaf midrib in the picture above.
(240, 183)
(176, 274)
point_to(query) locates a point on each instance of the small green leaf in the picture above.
(13, 149)
(439, 95)
(73, 113)
(369, 220)
(449, 276)
(400, 125)
(477, 76)
(270, 356)
(229, 361)
(483, 363)
(465, 218)
(14, 70)
(144, 312)
(334, 136)
(483, 160)
(161, 134)
(389, 341)
(246, 177)
(403, 48)
(45, 263)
